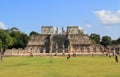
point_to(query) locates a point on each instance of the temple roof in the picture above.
(37, 39)
(79, 39)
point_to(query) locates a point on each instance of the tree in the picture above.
(20, 39)
(5, 41)
(15, 29)
(114, 42)
(0, 43)
(118, 40)
(106, 40)
(34, 33)
(95, 38)
(25, 38)
(0, 50)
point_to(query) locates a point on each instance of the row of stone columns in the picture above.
(85, 49)
(56, 51)
(72, 49)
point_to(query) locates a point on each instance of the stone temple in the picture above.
(71, 40)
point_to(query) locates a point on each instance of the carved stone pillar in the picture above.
(94, 49)
(51, 45)
(81, 49)
(88, 50)
(114, 50)
(63, 51)
(71, 48)
(51, 49)
(56, 48)
(44, 51)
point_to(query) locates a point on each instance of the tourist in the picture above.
(55, 54)
(74, 54)
(116, 58)
(68, 56)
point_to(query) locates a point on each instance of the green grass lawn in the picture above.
(82, 66)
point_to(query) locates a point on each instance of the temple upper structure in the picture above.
(47, 30)
(70, 40)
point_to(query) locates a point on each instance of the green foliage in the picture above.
(114, 42)
(106, 40)
(118, 40)
(33, 33)
(20, 39)
(6, 39)
(13, 38)
(93, 41)
(0, 43)
(15, 29)
(95, 38)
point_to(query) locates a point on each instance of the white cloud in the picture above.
(88, 25)
(80, 28)
(108, 17)
(2, 26)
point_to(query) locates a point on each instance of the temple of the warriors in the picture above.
(71, 40)
(54, 41)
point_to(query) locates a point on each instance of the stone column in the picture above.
(63, 51)
(88, 49)
(56, 48)
(51, 50)
(94, 49)
(68, 49)
(44, 51)
(114, 51)
(71, 48)
(31, 49)
(81, 49)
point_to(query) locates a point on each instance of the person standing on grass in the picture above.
(68, 56)
(116, 58)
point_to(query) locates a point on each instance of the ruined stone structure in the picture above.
(72, 40)
(53, 42)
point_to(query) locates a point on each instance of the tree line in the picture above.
(12, 38)
(105, 40)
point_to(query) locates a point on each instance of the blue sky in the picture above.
(94, 16)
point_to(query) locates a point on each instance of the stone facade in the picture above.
(72, 40)
(72, 30)
(47, 30)
(69, 41)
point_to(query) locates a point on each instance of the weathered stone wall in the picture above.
(93, 49)
(68, 42)
(72, 29)
(47, 30)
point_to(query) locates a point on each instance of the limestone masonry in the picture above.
(53, 41)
